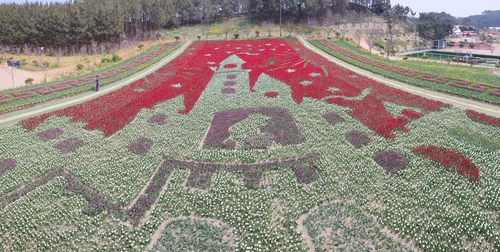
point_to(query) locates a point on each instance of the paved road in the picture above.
(450, 99)
(16, 116)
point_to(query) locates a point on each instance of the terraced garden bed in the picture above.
(469, 82)
(29, 96)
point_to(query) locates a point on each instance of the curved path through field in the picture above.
(446, 98)
(16, 116)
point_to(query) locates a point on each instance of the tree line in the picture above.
(78, 22)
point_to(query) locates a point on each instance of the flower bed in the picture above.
(113, 199)
(285, 64)
(140, 146)
(281, 126)
(50, 134)
(483, 118)
(391, 160)
(332, 118)
(69, 145)
(463, 87)
(357, 138)
(158, 118)
(454, 160)
(6, 165)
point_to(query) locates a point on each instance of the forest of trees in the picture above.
(78, 22)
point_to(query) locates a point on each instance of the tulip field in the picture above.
(252, 145)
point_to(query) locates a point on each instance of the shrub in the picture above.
(105, 60)
(461, 45)
(405, 58)
(177, 38)
(35, 63)
(140, 46)
(236, 35)
(199, 37)
(80, 66)
(116, 58)
(424, 57)
(472, 44)
(29, 81)
(497, 65)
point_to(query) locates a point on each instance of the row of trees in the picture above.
(80, 21)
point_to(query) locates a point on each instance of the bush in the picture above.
(236, 35)
(405, 58)
(497, 65)
(140, 46)
(450, 43)
(35, 63)
(29, 81)
(104, 60)
(80, 66)
(116, 58)
(199, 37)
(424, 57)
(472, 44)
(177, 38)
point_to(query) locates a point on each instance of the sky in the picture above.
(456, 8)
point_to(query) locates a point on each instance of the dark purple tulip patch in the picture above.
(281, 127)
(32, 185)
(158, 118)
(333, 118)
(50, 134)
(231, 76)
(140, 146)
(391, 160)
(228, 90)
(69, 145)
(357, 138)
(229, 83)
(6, 165)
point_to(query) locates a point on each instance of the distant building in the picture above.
(469, 34)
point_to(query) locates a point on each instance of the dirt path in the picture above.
(460, 102)
(16, 116)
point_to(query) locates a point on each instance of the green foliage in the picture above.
(435, 25)
(424, 57)
(29, 81)
(472, 44)
(482, 141)
(193, 235)
(79, 66)
(105, 60)
(116, 58)
(140, 46)
(236, 35)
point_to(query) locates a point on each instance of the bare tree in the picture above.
(268, 27)
(18, 50)
(11, 71)
(59, 52)
(289, 27)
(43, 63)
(27, 49)
(103, 49)
(227, 27)
(93, 46)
